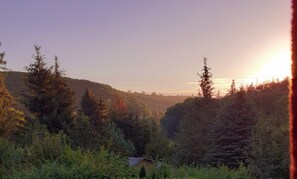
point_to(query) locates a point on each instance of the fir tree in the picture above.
(49, 97)
(38, 100)
(233, 136)
(94, 108)
(205, 81)
(62, 97)
(232, 90)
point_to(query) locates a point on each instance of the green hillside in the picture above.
(152, 105)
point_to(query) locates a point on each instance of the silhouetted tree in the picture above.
(94, 108)
(205, 81)
(62, 98)
(232, 90)
(38, 78)
(49, 97)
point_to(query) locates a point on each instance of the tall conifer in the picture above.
(205, 81)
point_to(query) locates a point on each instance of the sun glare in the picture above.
(277, 66)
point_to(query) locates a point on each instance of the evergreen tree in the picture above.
(62, 97)
(205, 81)
(94, 108)
(116, 142)
(158, 145)
(38, 78)
(193, 141)
(233, 136)
(50, 98)
(232, 90)
(135, 129)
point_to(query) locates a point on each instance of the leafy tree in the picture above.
(205, 81)
(158, 145)
(116, 142)
(135, 129)
(193, 141)
(81, 133)
(10, 118)
(269, 154)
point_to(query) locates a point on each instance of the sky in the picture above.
(155, 45)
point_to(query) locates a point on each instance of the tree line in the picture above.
(244, 131)
(247, 127)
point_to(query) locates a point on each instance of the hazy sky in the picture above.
(153, 45)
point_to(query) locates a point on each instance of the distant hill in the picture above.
(152, 105)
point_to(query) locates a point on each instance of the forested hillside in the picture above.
(249, 126)
(81, 129)
(151, 105)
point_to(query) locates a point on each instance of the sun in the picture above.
(277, 66)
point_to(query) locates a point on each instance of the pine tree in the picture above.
(38, 78)
(205, 81)
(233, 136)
(50, 98)
(232, 90)
(94, 108)
(158, 145)
(62, 97)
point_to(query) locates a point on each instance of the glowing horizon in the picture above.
(151, 45)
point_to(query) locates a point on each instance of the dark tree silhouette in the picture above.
(38, 80)
(94, 108)
(232, 90)
(62, 97)
(205, 81)
(49, 98)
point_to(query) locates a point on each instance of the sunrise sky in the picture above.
(153, 45)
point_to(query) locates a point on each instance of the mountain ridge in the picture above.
(151, 105)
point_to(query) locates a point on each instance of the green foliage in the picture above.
(82, 135)
(232, 137)
(135, 129)
(38, 80)
(142, 173)
(158, 145)
(94, 108)
(116, 141)
(47, 148)
(248, 128)
(174, 115)
(193, 141)
(269, 150)
(145, 105)
(62, 100)
(11, 156)
(49, 97)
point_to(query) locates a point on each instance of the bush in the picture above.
(11, 156)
